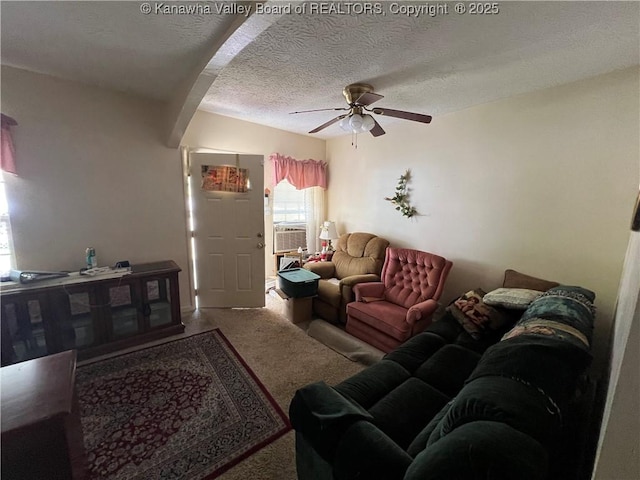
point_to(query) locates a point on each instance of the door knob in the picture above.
(260, 245)
(259, 235)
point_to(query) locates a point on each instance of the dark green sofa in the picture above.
(445, 406)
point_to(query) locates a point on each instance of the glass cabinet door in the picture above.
(157, 300)
(124, 305)
(76, 323)
(23, 329)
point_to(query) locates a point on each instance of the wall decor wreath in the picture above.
(401, 196)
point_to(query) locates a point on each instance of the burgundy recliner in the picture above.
(387, 313)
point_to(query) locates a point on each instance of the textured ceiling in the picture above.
(105, 43)
(429, 65)
(426, 64)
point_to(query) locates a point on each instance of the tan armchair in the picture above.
(358, 258)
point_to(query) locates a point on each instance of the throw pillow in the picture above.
(515, 298)
(474, 315)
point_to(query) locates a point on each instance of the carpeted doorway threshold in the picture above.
(186, 409)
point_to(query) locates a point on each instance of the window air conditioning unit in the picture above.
(288, 237)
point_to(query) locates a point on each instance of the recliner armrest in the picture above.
(421, 310)
(352, 280)
(368, 289)
(326, 270)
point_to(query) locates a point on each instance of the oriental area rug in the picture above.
(186, 409)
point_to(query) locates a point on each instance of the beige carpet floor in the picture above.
(285, 358)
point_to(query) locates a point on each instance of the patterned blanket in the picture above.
(564, 312)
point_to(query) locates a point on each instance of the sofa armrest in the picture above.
(421, 310)
(326, 270)
(366, 452)
(368, 289)
(321, 414)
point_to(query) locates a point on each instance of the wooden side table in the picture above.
(41, 429)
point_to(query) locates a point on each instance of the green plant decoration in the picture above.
(401, 197)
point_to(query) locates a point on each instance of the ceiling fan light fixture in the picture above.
(367, 123)
(355, 122)
(359, 97)
(344, 124)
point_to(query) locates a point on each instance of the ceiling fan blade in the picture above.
(368, 98)
(416, 117)
(319, 110)
(330, 122)
(377, 130)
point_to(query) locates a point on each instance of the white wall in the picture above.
(93, 171)
(208, 130)
(618, 456)
(543, 183)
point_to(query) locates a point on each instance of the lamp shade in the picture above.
(328, 231)
(367, 123)
(355, 122)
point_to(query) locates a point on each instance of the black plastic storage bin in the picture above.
(298, 282)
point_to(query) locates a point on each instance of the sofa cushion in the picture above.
(501, 399)
(416, 350)
(474, 315)
(448, 368)
(482, 449)
(515, 298)
(370, 385)
(383, 316)
(405, 409)
(547, 363)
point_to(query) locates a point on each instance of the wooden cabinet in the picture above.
(91, 314)
(41, 429)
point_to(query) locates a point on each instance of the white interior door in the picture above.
(228, 234)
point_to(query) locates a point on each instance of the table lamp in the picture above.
(327, 233)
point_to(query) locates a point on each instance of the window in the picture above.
(297, 216)
(288, 204)
(6, 244)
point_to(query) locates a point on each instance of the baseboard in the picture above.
(342, 342)
(187, 309)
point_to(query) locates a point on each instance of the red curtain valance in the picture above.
(299, 173)
(7, 151)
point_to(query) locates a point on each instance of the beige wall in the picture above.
(208, 130)
(543, 183)
(93, 171)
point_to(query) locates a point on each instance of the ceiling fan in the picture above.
(359, 96)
